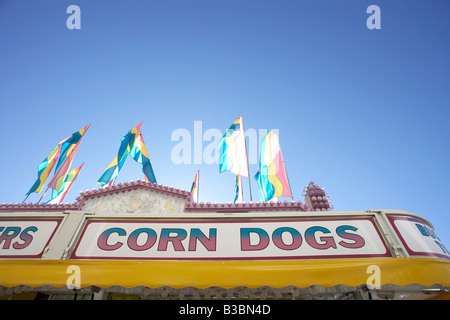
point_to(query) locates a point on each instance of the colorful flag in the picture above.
(132, 144)
(194, 188)
(57, 156)
(233, 151)
(266, 189)
(139, 153)
(272, 177)
(45, 167)
(57, 182)
(68, 145)
(68, 151)
(114, 167)
(238, 198)
(70, 179)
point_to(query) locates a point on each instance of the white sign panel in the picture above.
(230, 239)
(419, 238)
(25, 238)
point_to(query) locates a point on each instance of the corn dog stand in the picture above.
(141, 240)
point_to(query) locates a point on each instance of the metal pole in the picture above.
(43, 195)
(25, 198)
(262, 189)
(198, 185)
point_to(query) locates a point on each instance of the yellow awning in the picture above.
(225, 274)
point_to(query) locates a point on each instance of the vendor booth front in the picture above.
(140, 240)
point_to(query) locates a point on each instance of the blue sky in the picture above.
(364, 113)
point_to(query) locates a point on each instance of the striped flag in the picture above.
(68, 151)
(232, 150)
(57, 182)
(132, 144)
(57, 156)
(44, 169)
(68, 145)
(194, 188)
(139, 153)
(272, 177)
(114, 167)
(70, 179)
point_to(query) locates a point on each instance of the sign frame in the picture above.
(192, 221)
(411, 252)
(44, 246)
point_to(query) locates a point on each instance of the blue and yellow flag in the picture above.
(139, 153)
(132, 144)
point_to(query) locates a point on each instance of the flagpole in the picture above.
(198, 185)
(248, 167)
(62, 164)
(241, 190)
(26, 198)
(260, 177)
